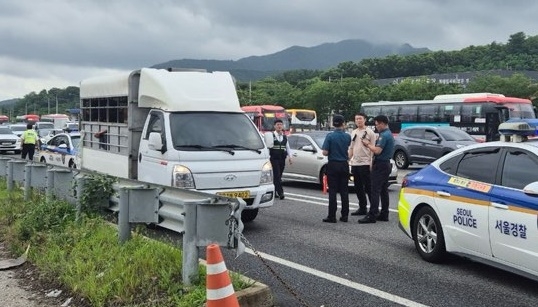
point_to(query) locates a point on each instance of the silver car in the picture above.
(308, 162)
(9, 141)
(425, 144)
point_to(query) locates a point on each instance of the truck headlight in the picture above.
(182, 177)
(267, 174)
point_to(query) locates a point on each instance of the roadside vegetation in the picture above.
(86, 258)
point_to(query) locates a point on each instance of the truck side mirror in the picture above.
(155, 141)
(269, 140)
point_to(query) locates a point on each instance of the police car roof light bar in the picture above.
(518, 130)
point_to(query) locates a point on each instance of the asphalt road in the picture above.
(348, 264)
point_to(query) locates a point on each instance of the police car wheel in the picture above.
(248, 215)
(428, 235)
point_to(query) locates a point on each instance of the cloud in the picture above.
(59, 42)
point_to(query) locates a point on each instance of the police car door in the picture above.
(464, 199)
(513, 214)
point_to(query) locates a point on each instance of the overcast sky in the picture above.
(57, 43)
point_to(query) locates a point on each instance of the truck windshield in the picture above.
(210, 129)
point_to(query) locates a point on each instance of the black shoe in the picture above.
(382, 218)
(343, 219)
(367, 220)
(359, 212)
(328, 220)
(281, 196)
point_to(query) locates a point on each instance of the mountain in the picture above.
(319, 57)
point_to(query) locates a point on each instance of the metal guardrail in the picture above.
(202, 218)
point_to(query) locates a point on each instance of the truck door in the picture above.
(152, 164)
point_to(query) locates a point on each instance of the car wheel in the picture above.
(428, 235)
(43, 160)
(401, 160)
(248, 215)
(72, 164)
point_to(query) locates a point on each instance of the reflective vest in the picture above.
(29, 136)
(279, 148)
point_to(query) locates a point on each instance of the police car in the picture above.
(61, 150)
(480, 201)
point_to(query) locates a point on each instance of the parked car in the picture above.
(425, 144)
(51, 133)
(70, 127)
(17, 129)
(62, 149)
(480, 202)
(309, 164)
(9, 141)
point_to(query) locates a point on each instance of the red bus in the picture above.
(264, 117)
(4, 119)
(27, 119)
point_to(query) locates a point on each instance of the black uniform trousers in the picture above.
(362, 182)
(278, 169)
(380, 189)
(338, 177)
(28, 149)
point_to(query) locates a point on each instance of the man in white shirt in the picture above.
(279, 152)
(361, 161)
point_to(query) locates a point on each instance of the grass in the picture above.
(86, 257)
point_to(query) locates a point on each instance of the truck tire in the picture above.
(248, 215)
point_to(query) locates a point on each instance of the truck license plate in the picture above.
(241, 194)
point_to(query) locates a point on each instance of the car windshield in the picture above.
(319, 139)
(203, 130)
(17, 128)
(455, 135)
(43, 132)
(5, 130)
(75, 141)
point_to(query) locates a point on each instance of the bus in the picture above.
(478, 114)
(27, 119)
(4, 119)
(302, 119)
(59, 120)
(264, 116)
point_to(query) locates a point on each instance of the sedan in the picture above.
(309, 164)
(61, 150)
(425, 144)
(9, 141)
(480, 201)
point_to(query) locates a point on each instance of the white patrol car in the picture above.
(62, 149)
(480, 201)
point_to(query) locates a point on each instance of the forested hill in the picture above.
(319, 57)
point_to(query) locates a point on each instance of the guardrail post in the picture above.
(10, 175)
(190, 249)
(27, 181)
(124, 228)
(50, 185)
(79, 190)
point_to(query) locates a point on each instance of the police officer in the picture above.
(381, 168)
(29, 140)
(335, 147)
(279, 152)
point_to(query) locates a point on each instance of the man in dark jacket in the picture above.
(279, 152)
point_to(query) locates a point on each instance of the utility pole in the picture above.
(56, 103)
(48, 104)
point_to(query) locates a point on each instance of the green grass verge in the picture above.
(86, 257)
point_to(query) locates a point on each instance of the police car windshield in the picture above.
(75, 140)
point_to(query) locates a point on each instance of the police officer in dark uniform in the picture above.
(279, 152)
(335, 147)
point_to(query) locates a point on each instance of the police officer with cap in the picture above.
(335, 147)
(29, 140)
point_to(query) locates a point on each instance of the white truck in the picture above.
(180, 128)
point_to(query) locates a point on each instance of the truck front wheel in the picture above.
(248, 215)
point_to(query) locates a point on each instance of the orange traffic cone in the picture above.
(325, 184)
(220, 292)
